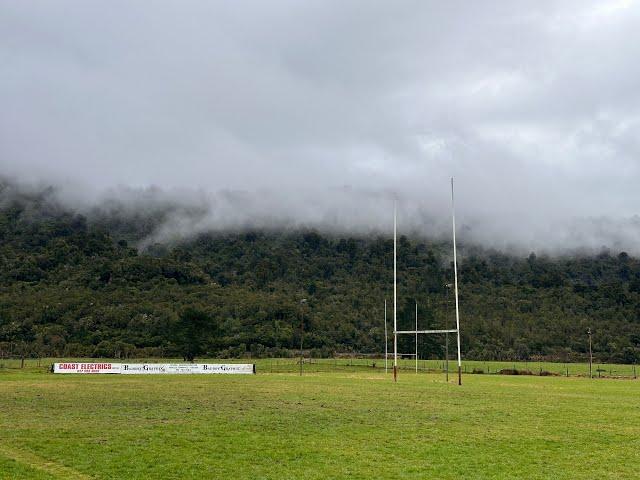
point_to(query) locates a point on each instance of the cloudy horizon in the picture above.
(318, 113)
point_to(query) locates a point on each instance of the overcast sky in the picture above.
(317, 113)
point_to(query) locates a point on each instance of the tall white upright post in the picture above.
(416, 336)
(395, 294)
(455, 276)
(386, 343)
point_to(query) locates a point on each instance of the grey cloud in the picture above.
(317, 113)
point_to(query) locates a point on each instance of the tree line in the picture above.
(76, 286)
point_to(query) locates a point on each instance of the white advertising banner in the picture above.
(154, 368)
(182, 368)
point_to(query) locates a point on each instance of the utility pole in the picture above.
(302, 302)
(590, 355)
(386, 348)
(446, 336)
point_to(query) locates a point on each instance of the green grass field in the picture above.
(329, 423)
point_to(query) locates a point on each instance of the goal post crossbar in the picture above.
(413, 332)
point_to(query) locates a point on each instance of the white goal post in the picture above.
(416, 332)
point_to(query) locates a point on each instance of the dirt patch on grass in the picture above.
(514, 371)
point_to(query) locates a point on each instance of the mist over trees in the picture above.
(77, 286)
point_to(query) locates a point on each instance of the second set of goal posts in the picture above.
(417, 332)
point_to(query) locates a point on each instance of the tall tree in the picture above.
(193, 333)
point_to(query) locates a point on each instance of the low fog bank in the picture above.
(170, 216)
(292, 115)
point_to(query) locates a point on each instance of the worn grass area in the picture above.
(12, 469)
(322, 425)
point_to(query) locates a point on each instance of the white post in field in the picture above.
(395, 294)
(455, 276)
(416, 336)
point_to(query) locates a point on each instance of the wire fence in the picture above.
(318, 365)
(600, 370)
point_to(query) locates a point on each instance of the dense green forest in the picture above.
(73, 285)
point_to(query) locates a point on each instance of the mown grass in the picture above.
(334, 424)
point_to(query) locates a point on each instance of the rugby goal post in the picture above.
(417, 332)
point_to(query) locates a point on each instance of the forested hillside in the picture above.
(77, 286)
